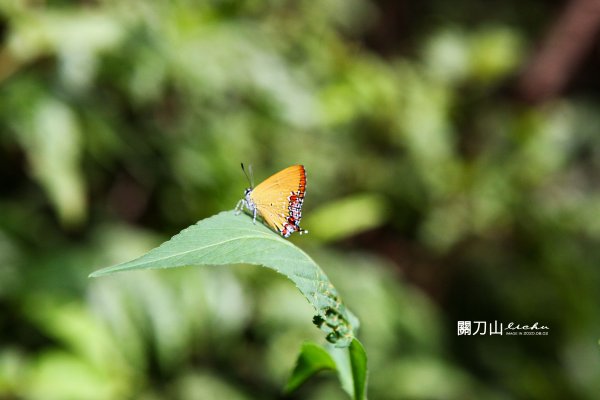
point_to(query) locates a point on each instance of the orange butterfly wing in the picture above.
(279, 199)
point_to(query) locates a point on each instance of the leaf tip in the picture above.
(101, 272)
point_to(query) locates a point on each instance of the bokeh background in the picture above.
(453, 158)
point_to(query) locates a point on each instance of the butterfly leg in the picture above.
(254, 216)
(239, 207)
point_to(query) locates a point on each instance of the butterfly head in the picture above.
(248, 199)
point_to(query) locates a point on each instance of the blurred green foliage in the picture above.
(438, 198)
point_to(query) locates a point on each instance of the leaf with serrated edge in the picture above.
(227, 238)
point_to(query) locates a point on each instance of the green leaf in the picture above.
(227, 238)
(52, 141)
(352, 369)
(358, 364)
(312, 359)
(368, 211)
(350, 364)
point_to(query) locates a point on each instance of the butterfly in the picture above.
(278, 199)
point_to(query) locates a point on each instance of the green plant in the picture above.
(229, 239)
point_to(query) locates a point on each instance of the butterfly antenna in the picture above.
(249, 174)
